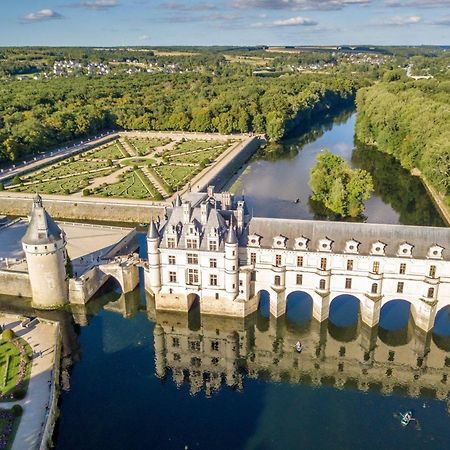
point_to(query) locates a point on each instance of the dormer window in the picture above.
(351, 246)
(325, 245)
(378, 248)
(191, 243)
(435, 252)
(212, 245)
(254, 240)
(405, 250)
(301, 243)
(279, 242)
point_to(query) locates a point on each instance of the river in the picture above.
(147, 380)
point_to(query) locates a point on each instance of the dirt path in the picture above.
(155, 182)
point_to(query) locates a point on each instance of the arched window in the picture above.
(277, 281)
(374, 288)
(430, 292)
(322, 284)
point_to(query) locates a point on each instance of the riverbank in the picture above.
(437, 197)
(40, 403)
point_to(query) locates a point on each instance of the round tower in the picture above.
(160, 351)
(231, 263)
(44, 245)
(154, 260)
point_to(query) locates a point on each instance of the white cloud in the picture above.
(98, 4)
(291, 22)
(311, 5)
(144, 37)
(402, 20)
(417, 3)
(43, 14)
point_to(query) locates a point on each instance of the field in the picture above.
(130, 167)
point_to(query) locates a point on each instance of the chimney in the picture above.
(226, 200)
(240, 215)
(204, 207)
(210, 191)
(186, 212)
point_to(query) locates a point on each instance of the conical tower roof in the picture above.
(177, 200)
(231, 236)
(42, 229)
(153, 231)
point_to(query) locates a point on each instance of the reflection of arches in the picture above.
(194, 320)
(299, 306)
(263, 313)
(441, 329)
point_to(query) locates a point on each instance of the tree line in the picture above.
(36, 115)
(411, 121)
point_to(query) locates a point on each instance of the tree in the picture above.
(16, 180)
(338, 187)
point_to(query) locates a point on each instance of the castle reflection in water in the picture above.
(210, 352)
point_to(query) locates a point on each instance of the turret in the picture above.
(177, 200)
(160, 351)
(231, 262)
(44, 245)
(154, 260)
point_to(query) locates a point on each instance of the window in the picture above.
(170, 242)
(213, 263)
(278, 260)
(172, 260)
(430, 292)
(400, 286)
(350, 264)
(176, 357)
(277, 281)
(376, 267)
(323, 263)
(217, 296)
(299, 278)
(213, 280)
(322, 284)
(402, 270)
(215, 346)
(374, 289)
(299, 261)
(432, 272)
(194, 346)
(192, 258)
(253, 258)
(348, 283)
(212, 246)
(192, 276)
(175, 342)
(191, 243)
(172, 277)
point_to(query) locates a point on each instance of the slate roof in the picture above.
(42, 229)
(422, 238)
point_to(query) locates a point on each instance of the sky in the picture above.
(223, 22)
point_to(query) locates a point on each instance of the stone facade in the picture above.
(210, 249)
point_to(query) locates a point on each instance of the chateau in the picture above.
(210, 249)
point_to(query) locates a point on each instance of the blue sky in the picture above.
(223, 22)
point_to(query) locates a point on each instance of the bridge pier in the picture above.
(321, 306)
(424, 313)
(370, 310)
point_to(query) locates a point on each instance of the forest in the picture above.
(411, 121)
(37, 115)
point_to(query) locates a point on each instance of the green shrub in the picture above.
(17, 410)
(8, 335)
(16, 180)
(66, 192)
(86, 192)
(2, 187)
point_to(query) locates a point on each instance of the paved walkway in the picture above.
(42, 339)
(49, 158)
(128, 148)
(158, 186)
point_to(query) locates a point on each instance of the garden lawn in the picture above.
(134, 184)
(146, 146)
(113, 151)
(8, 428)
(197, 157)
(176, 176)
(190, 146)
(10, 377)
(65, 186)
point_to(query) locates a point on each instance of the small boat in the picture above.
(406, 418)
(299, 347)
(297, 200)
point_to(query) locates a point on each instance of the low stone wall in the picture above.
(16, 284)
(66, 207)
(83, 288)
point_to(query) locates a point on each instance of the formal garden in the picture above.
(15, 369)
(146, 167)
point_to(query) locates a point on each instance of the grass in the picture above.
(197, 157)
(191, 146)
(176, 176)
(65, 186)
(146, 146)
(113, 151)
(137, 162)
(134, 184)
(66, 168)
(10, 357)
